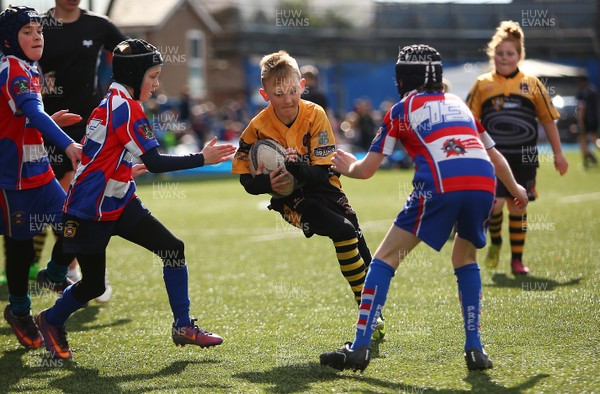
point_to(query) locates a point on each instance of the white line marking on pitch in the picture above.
(579, 198)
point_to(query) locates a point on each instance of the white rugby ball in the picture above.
(271, 155)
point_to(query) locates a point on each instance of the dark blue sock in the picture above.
(19, 305)
(372, 300)
(176, 281)
(63, 308)
(56, 272)
(469, 292)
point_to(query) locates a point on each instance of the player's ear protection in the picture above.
(12, 20)
(131, 59)
(418, 67)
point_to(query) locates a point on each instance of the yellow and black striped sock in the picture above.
(517, 226)
(351, 264)
(496, 228)
(38, 245)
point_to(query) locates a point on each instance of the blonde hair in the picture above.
(507, 31)
(280, 65)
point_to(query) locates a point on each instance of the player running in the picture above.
(302, 127)
(101, 201)
(455, 179)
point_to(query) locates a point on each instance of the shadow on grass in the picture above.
(482, 383)
(92, 379)
(299, 378)
(80, 378)
(530, 283)
(80, 320)
(17, 371)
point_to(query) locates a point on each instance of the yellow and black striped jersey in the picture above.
(508, 108)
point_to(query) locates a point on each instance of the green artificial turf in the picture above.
(279, 300)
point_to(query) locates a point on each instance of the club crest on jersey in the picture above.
(306, 140)
(458, 147)
(87, 43)
(70, 228)
(146, 130)
(498, 103)
(17, 218)
(20, 86)
(524, 88)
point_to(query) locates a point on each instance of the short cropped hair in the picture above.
(309, 71)
(280, 65)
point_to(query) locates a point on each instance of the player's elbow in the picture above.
(252, 185)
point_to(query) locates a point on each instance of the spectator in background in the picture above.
(184, 104)
(587, 119)
(312, 92)
(367, 127)
(74, 41)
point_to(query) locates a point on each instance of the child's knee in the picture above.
(344, 231)
(173, 255)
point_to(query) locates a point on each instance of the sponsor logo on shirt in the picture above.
(458, 147)
(324, 151)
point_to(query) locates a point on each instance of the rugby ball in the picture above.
(271, 155)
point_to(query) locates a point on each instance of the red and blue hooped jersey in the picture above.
(117, 131)
(24, 161)
(444, 141)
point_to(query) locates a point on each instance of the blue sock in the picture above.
(56, 272)
(372, 300)
(469, 292)
(19, 305)
(63, 308)
(176, 281)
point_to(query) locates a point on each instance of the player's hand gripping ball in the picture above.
(271, 155)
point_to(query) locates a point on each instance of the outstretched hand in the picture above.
(65, 118)
(342, 161)
(214, 154)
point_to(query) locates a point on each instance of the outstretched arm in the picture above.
(347, 164)
(211, 154)
(34, 111)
